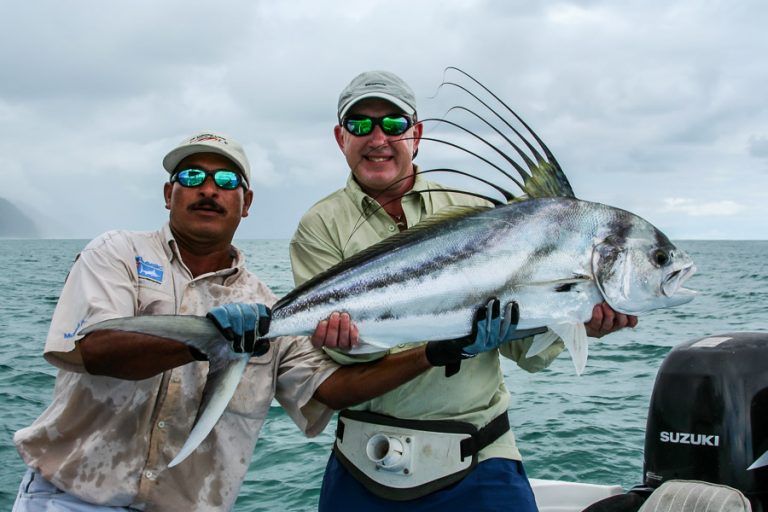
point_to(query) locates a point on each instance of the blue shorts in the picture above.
(494, 484)
(36, 494)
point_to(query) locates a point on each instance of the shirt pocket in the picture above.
(154, 299)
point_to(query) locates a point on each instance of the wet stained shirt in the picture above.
(333, 230)
(108, 440)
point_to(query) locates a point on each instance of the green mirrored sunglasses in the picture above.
(392, 124)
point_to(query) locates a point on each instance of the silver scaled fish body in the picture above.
(553, 254)
(556, 257)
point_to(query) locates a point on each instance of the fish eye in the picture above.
(660, 257)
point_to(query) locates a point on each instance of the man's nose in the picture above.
(209, 186)
(378, 136)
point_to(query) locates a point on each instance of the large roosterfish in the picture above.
(555, 255)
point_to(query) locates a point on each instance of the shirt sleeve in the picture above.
(101, 285)
(311, 254)
(516, 350)
(301, 370)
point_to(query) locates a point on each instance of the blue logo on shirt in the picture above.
(69, 335)
(147, 270)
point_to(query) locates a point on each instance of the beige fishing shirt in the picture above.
(333, 230)
(109, 441)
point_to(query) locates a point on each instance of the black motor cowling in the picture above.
(708, 417)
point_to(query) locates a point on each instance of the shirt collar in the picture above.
(171, 249)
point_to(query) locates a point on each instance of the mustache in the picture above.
(207, 203)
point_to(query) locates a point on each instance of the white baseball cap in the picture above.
(377, 84)
(209, 142)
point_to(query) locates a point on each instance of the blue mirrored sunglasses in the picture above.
(223, 178)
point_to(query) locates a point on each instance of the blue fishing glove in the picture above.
(243, 325)
(489, 330)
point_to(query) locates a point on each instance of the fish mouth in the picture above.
(672, 286)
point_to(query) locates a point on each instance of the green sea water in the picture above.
(588, 428)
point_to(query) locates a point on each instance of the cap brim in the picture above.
(384, 96)
(172, 159)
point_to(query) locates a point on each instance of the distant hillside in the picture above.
(14, 223)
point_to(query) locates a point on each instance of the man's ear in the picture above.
(247, 200)
(418, 129)
(167, 189)
(338, 133)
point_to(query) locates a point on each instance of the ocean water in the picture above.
(588, 428)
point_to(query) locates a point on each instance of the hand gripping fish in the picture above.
(555, 255)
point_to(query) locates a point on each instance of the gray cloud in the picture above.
(647, 105)
(758, 146)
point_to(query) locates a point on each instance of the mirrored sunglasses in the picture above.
(223, 178)
(392, 124)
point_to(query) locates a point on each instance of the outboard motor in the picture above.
(708, 417)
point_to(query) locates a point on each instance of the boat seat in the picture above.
(695, 496)
(677, 496)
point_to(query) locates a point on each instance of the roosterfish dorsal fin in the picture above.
(447, 214)
(547, 180)
(422, 230)
(543, 177)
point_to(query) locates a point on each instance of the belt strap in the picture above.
(469, 447)
(485, 436)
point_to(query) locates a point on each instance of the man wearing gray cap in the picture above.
(440, 441)
(125, 402)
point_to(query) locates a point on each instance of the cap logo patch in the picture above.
(206, 137)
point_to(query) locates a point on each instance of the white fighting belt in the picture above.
(402, 459)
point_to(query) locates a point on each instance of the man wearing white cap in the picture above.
(429, 416)
(125, 402)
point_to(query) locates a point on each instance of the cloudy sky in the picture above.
(655, 106)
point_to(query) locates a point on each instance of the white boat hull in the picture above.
(560, 496)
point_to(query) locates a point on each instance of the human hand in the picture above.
(337, 331)
(605, 321)
(489, 330)
(243, 325)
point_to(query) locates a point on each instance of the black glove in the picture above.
(489, 330)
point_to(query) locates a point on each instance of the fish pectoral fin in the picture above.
(762, 461)
(366, 349)
(541, 342)
(225, 366)
(370, 347)
(575, 338)
(219, 389)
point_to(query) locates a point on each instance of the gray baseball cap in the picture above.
(377, 84)
(209, 142)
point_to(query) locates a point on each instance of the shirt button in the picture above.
(161, 424)
(150, 475)
(391, 227)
